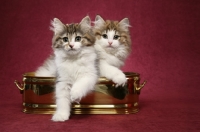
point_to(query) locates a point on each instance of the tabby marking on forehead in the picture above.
(111, 25)
(72, 28)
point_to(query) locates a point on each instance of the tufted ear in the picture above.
(85, 24)
(57, 26)
(99, 22)
(124, 24)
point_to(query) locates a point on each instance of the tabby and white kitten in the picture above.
(113, 46)
(48, 69)
(75, 63)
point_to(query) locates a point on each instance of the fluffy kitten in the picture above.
(74, 61)
(48, 69)
(113, 46)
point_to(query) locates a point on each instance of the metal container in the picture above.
(38, 96)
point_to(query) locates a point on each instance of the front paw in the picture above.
(119, 80)
(60, 117)
(75, 95)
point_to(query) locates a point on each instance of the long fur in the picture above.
(48, 69)
(76, 70)
(75, 63)
(112, 56)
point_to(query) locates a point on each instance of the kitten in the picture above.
(74, 61)
(48, 69)
(113, 46)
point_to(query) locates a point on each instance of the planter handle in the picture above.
(19, 85)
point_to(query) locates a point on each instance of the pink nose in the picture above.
(109, 43)
(71, 46)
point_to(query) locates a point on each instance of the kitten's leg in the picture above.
(112, 73)
(63, 102)
(82, 86)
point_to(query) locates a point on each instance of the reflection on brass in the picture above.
(34, 79)
(106, 111)
(40, 86)
(45, 85)
(106, 99)
(102, 88)
(110, 89)
(135, 104)
(119, 92)
(30, 77)
(28, 105)
(20, 86)
(82, 109)
(40, 89)
(136, 87)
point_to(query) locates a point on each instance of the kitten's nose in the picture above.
(110, 42)
(71, 46)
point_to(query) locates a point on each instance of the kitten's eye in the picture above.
(78, 39)
(65, 39)
(105, 36)
(116, 37)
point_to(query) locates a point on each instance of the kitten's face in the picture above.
(72, 37)
(112, 34)
(110, 39)
(71, 41)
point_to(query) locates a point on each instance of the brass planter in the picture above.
(38, 96)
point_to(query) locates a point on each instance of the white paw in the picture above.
(76, 95)
(119, 80)
(59, 116)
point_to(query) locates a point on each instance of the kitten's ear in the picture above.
(99, 22)
(124, 24)
(85, 24)
(57, 26)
